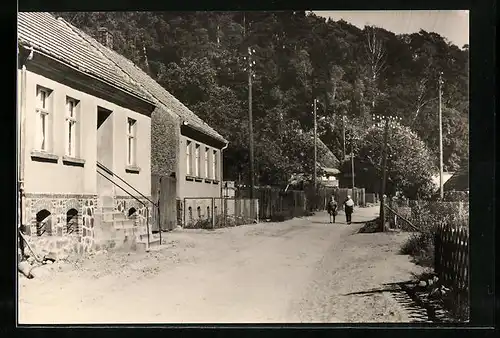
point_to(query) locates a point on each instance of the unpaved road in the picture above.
(297, 271)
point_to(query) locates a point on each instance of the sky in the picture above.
(452, 24)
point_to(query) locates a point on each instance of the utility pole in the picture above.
(315, 147)
(244, 25)
(251, 63)
(441, 192)
(388, 121)
(343, 138)
(352, 168)
(384, 175)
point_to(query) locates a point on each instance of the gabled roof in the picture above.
(160, 95)
(69, 45)
(55, 38)
(326, 158)
(459, 181)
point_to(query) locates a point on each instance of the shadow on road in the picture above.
(388, 287)
(418, 311)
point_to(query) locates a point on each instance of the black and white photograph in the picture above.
(243, 167)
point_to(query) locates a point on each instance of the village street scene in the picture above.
(243, 167)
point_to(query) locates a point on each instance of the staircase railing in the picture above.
(157, 205)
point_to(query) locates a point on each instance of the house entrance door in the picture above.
(105, 188)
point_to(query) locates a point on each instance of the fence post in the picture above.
(184, 213)
(437, 251)
(213, 214)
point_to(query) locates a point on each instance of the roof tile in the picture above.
(56, 38)
(159, 94)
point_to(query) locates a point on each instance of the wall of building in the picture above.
(140, 180)
(188, 184)
(49, 177)
(60, 177)
(165, 133)
(58, 186)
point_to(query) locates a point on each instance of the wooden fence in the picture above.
(275, 202)
(322, 195)
(451, 263)
(215, 212)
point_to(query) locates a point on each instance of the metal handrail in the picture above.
(157, 205)
(102, 166)
(138, 200)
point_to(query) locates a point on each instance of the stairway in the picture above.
(116, 230)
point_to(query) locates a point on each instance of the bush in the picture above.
(202, 223)
(421, 248)
(280, 217)
(370, 226)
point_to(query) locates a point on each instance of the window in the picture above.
(43, 223)
(214, 164)
(71, 127)
(197, 161)
(72, 221)
(207, 153)
(131, 141)
(188, 158)
(43, 110)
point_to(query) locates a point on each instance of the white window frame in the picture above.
(131, 141)
(197, 160)
(214, 164)
(71, 127)
(189, 169)
(207, 154)
(43, 119)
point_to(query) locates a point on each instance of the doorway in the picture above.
(104, 150)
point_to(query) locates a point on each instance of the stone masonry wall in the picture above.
(60, 234)
(124, 204)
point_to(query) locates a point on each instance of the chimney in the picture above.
(105, 37)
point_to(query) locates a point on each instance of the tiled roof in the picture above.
(55, 38)
(160, 94)
(73, 47)
(459, 181)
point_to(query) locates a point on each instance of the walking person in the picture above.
(348, 208)
(332, 209)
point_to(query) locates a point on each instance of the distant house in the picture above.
(327, 166)
(459, 181)
(82, 123)
(436, 178)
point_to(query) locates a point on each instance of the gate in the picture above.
(163, 190)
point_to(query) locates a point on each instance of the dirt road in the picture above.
(301, 270)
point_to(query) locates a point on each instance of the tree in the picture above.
(410, 164)
(198, 57)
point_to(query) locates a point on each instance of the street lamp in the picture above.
(387, 121)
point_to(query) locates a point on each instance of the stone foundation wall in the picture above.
(124, 204)
(60, 234)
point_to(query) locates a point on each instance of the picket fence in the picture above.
(451, 263)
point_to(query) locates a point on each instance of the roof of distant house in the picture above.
(54, 38)
(70, 45)
(326, 158)
(459, 181)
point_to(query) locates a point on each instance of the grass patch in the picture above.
(420, 247)
(370, 226)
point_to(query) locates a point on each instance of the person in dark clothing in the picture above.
(332, 209)
(349, 209)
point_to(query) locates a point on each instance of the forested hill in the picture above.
(198, 57)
